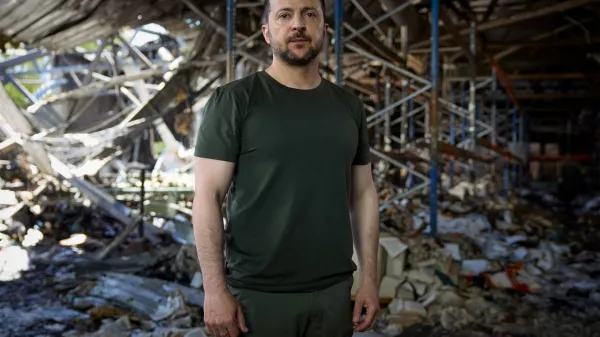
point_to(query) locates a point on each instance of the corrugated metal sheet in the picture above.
(62, 24)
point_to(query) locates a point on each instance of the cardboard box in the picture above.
(395, 255)
(389, 286)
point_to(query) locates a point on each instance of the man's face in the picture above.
(295, 30)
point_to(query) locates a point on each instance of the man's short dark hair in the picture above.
(268, 9)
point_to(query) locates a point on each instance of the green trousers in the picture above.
(324, 313)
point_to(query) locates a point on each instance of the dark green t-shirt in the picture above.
(288, 219)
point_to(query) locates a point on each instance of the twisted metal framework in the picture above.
(433, 132)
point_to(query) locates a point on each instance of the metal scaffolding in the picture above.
(429, 132)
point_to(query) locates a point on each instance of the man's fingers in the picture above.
(232, 331)
(241, 319)
(358, 306)
(369, 318)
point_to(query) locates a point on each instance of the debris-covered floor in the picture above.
(523, 266)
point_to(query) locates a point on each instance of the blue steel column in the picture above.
(231, 9)
(472, 102)
(339, 16)
(435, 14)
(514, 141)
(494, 108)
(452, 133)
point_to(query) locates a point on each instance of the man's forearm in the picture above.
(365, 225)
(208, 234)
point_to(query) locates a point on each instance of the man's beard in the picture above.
(288, 55)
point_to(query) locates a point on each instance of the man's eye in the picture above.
(283, 16)
(312, 15)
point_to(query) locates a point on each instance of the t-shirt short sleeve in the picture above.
(219, 132)
(363, 150)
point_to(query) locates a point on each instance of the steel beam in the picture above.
(30, 56)
(135, 51)
(231, 30)
(360, 8)
(433, 113)
(472, 90)
(390, 65)
(379, 20)
(339, 18)
(516, 18)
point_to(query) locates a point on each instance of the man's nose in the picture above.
(298, 23)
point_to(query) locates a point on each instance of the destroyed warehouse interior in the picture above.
(484, 127)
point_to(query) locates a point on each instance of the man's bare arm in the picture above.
(365, 227)
(365, 221)
(212, 180)
(222, 314)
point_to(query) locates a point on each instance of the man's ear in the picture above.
(265, 31)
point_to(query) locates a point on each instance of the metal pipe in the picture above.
(405, 88)
(142, 197)
(408, 115)
(411, 121)
(435, 14)
(97, 56)
(494, 107)
(399, 119)
(390, 65)
(250, 38)
(472, 90)
(52, 117)
(514, 141)
(135, 52)
(378, 105)
(339, 17)
(387, 118)
(400, 102)
(452, 134)
(402, 195)
(425, 125)
(464, 122)
(30, 56)
(367, 16)
(231, 9)
(463, 113)
(396, 163)
(377, 21)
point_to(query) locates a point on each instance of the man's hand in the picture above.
(223, 314)
(366, 297)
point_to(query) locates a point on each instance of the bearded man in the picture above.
(290, 150)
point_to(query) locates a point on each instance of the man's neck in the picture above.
(304, 78)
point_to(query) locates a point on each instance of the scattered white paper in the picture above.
(474, 267)
(453, 248)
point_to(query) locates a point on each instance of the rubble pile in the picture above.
(67, 270)
(507, 266)
(504, 266)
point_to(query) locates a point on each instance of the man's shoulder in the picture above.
(344, 95)
(239, 88)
